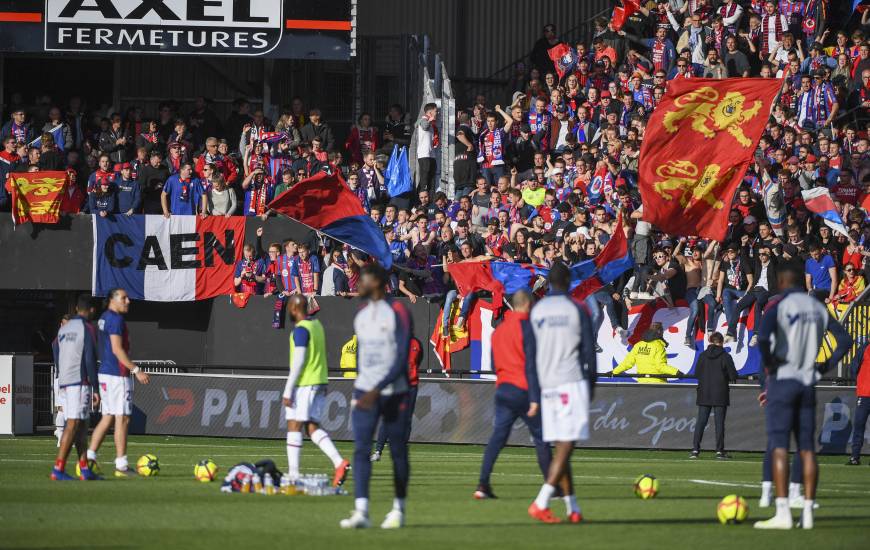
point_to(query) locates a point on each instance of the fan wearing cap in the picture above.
(103, 201)
(129, 195)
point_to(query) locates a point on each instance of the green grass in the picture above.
(174, 511)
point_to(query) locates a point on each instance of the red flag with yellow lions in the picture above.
(697, 146)
(36, 196)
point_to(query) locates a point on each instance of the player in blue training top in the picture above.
(75, 358)
(383, 329)
(561, 348)
(116, 387)
(791, 334)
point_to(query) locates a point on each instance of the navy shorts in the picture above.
(791, 408)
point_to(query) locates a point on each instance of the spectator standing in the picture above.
(306, 271)
(237, 120)
(17, 128)
(151, 178)
(129, 192)
(714, 371)
(428, 142)
(362, 139)
(113, 141)
(180, 194)
(54, 120)
(220, 200)
(540, 57)
(316, 128)
(103, 201)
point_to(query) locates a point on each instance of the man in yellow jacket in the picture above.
(649, 356)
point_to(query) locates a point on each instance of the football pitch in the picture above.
(172, 510)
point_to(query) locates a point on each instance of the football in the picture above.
(205, 470)
(93, 465)
(646, 486)
(732, 509)
(147, 465)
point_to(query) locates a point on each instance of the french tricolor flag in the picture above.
(818, 201)
(181, 258)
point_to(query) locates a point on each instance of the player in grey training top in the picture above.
(797, 324)
(561, 376)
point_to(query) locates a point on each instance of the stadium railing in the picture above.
(856, 321)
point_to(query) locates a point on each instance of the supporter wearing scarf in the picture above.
(540, 125)
(490, 148)
(771, 24)
(259, 196)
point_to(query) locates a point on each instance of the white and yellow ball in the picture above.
(148, 465)
(205, 471)
(732, 509)
(646, 486)
(93, 465)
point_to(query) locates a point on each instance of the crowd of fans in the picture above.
(538, 180)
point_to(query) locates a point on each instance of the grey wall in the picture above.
(45, 268)
(476, 38)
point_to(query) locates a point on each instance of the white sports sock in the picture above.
(794, 490)
(322, 440)
(399, 504)
(543, 498)
(361, 505)
(121, 463)
(808, 513)
(92, 455)
(766, 488)
(571, 505)
(294, 449)
(782, 509)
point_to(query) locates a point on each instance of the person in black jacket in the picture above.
(113, 141)
(317, 128)
(764, 276)
(715, 370)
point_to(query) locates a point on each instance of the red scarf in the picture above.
(765, 31)
(436, 139)
(257, 205)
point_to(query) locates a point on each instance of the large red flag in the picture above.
(696, 149)
(36, 196)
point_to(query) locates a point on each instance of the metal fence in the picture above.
(856, 320)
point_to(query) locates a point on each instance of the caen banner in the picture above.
(167, 260)
(36, 196)
(698, 144)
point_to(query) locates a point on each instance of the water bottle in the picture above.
(246, 485)
(268, 484)
(284, 485)
(258, 484)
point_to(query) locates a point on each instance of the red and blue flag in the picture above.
(564, 58)
(324, 202)
(818, 201)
